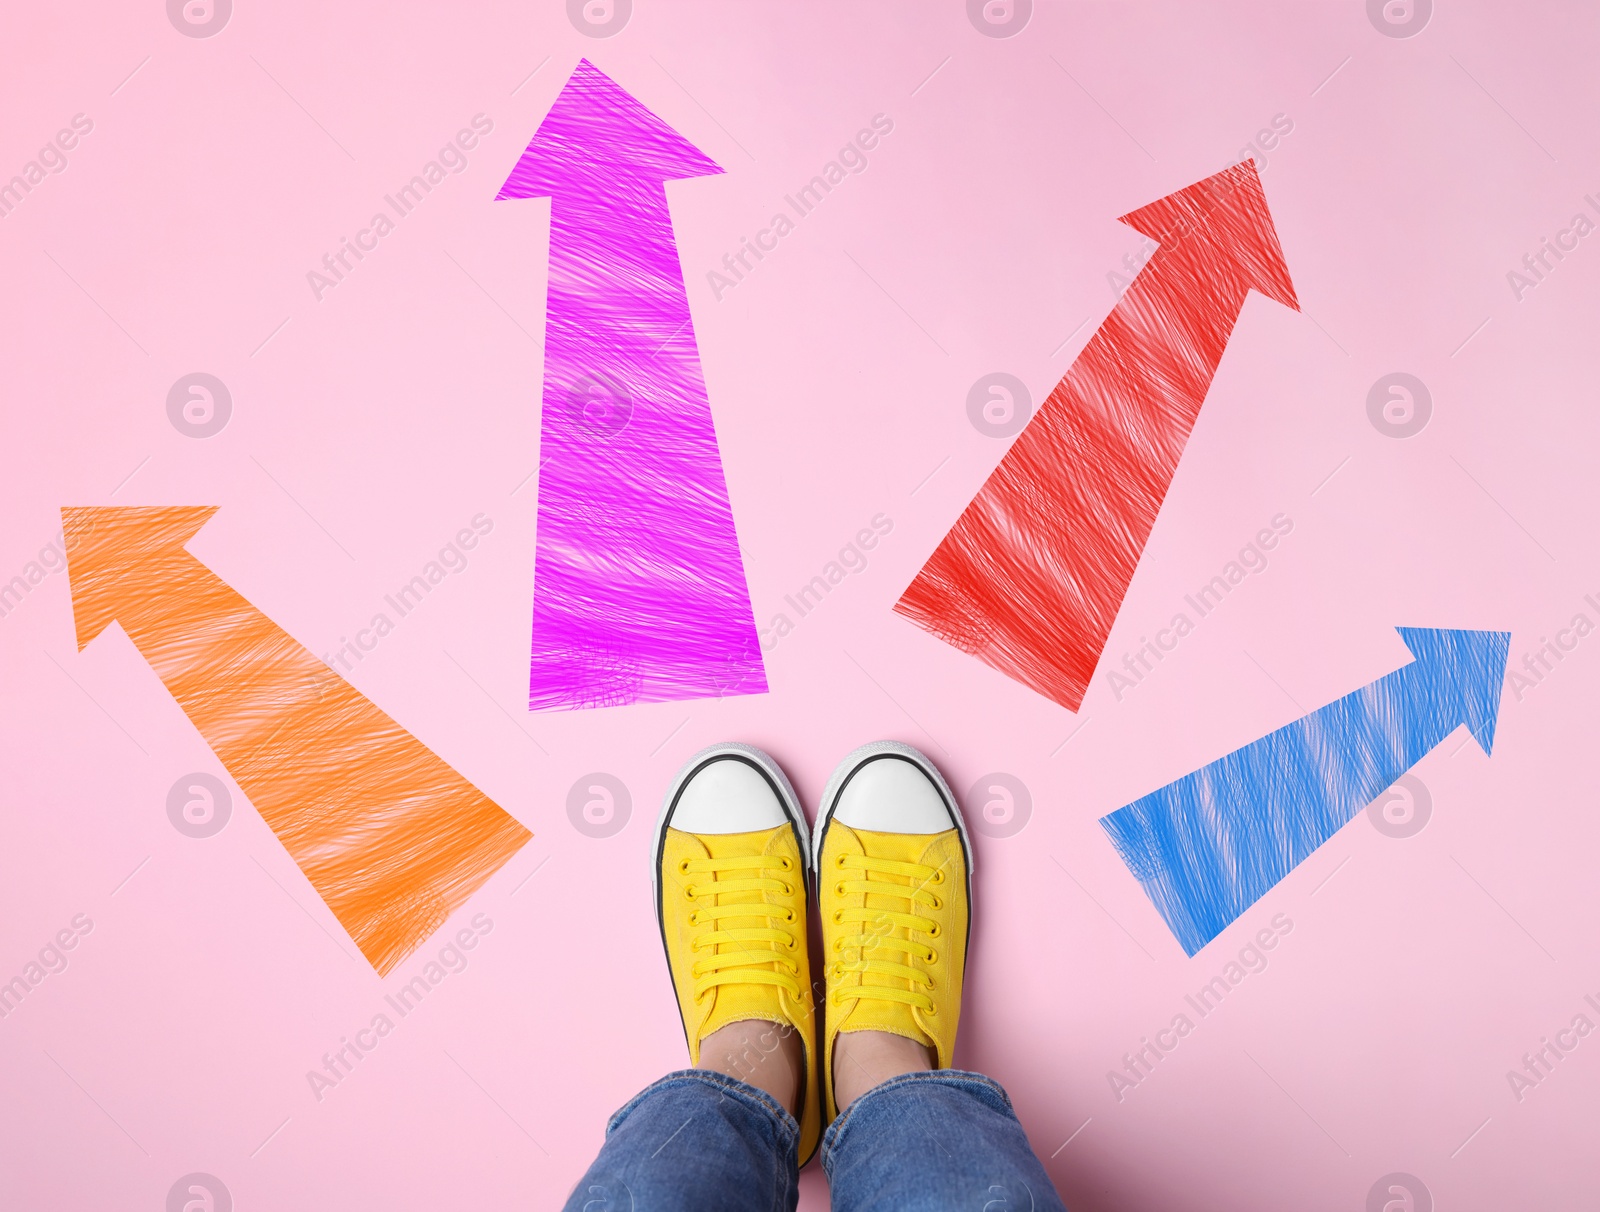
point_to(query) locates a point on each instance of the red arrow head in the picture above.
(119, 557)
(1227, 216)
(595, 135)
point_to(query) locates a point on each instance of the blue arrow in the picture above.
(1210, 845)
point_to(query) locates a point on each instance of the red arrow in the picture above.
(1032, 575)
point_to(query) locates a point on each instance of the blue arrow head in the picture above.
(1464, 672)
(597, 135)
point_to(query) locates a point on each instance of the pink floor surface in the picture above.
(375, 418)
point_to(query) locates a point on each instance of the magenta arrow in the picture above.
(639, 592)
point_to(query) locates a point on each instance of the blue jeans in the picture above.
(698, 1141)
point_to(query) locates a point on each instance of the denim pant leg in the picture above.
(695, 1141)
(940, 1141)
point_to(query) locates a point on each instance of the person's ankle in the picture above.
(759, 1053)
(864, 1059)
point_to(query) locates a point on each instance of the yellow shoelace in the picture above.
(876, 927)
(747, 955)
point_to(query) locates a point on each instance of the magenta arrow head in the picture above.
(639, 592)
(595, 135)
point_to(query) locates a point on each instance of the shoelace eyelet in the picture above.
(932, 957)
(688, 892)
(683, 867)
(841, 862)
(788, 863)
(938, 876)
(937, 904)
(838, 889)
(935, 932)
(838, 917)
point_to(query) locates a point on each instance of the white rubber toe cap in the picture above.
(727, 795)
(893, 795)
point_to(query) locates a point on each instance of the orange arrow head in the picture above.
(1222, 221)
(118, 556)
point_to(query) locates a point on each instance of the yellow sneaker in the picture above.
(894, 889)
(731, 883)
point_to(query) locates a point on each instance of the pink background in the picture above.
(372, 425)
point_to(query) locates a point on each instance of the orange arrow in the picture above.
(391, 837)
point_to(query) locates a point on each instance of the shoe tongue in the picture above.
(880, 1014)
(735, 1002)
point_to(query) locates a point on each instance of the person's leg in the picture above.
(695, 1141)
(932, 1141)
(730, 863)
(894, 871)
